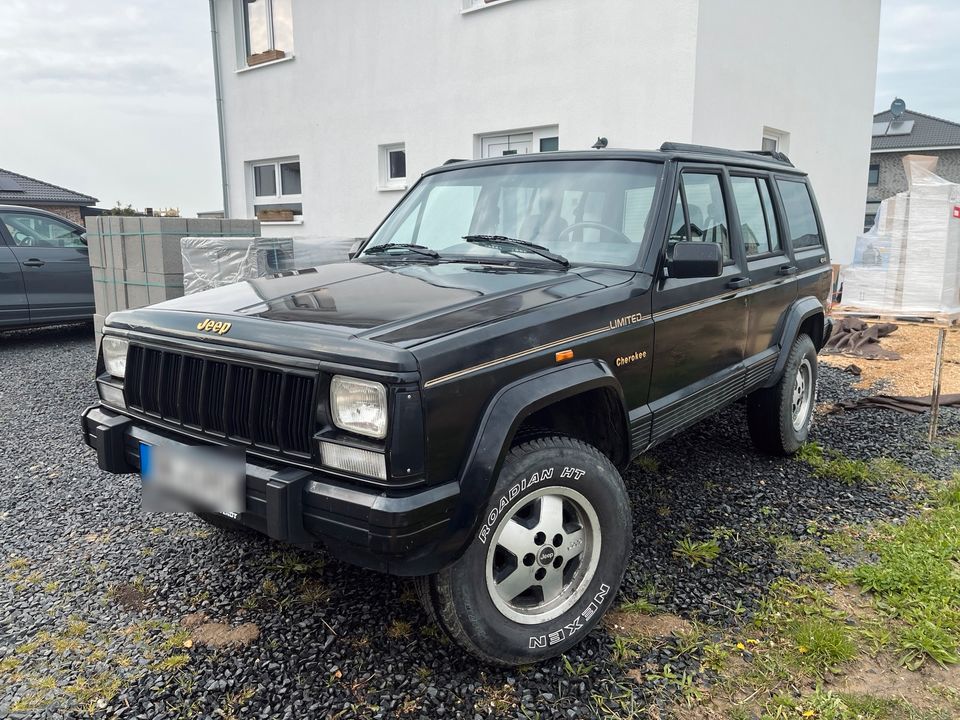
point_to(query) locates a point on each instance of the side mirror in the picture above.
(696, 260)
(355, 248)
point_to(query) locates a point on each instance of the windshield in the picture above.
(589, 212)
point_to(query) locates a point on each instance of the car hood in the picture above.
(397, 302)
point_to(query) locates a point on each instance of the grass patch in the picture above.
(916, 580)
(832, 464)
(827, 705)
(173, 662)
(695, 553)
(647, 463)
(399, 630)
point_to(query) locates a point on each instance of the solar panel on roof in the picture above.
(900, 127)
(8, 184)
(880, 128)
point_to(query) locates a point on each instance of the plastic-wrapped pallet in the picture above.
(213, 262)
(908, 264)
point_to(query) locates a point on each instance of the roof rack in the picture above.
(454, 161)
(773, 155)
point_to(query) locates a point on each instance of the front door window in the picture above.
(29, 230)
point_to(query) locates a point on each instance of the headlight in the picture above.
(359, 406)
(114, 355)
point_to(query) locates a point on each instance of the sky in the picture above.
(112, 98)
(115, 98)
(919, 59)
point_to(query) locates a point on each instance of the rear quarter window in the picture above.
(801, 219)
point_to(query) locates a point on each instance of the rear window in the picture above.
(801, 220)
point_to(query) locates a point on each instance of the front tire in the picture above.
(780, 417)
(547, 560)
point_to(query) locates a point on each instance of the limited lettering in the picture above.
(625, 321)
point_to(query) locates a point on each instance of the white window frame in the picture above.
(385, 182)
(538, 133)
(279, 198)
(780, 137)
(240, 27)
(469, 6)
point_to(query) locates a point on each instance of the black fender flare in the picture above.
(501, 420)
(801, 310)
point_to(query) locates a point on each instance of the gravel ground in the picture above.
(94, 595)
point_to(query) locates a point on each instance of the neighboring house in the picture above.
(330, 110)
(913, 133)
(16, 189)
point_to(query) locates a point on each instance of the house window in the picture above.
(518, 142)
(471, 5)
(267, 30)
(393, 167)
(549, 144)
(873, 176)
(775, 140)
(277, 190)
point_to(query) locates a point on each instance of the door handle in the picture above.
(738, 283)
(33, 262)
(787, 270)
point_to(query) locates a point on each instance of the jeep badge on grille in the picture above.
(219, 327)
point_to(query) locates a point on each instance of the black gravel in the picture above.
(93, 593)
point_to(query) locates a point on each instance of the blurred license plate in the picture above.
(181, 478)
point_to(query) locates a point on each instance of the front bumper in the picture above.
(401, 535)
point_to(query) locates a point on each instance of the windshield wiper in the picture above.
(386, 247)
(504, 241)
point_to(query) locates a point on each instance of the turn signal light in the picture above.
(564, 355)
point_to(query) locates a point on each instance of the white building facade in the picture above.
(330, 109)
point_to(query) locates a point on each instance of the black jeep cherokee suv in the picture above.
(459, 401)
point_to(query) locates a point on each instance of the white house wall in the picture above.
(805, 68)
(371, 72)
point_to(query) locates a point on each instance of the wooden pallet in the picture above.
(946, 320)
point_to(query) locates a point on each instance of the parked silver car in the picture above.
(45, 274)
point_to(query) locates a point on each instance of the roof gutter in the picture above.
(932, 148)
(224, 178)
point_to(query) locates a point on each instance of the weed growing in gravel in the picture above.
(714, 656)
(829, 463)
(697, 553)
(674, 683)
(234, 701)
(172, 662)
(313, 592)
(915, 580)
(499, 700)
(640, 605)
(399, 630)
(647, 464)
(580, 670)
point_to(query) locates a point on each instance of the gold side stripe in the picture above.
(608, 328)
(515, 356)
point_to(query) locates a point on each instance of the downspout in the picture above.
(215, 36)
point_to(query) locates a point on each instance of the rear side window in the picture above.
(758, 225)
(801, 220)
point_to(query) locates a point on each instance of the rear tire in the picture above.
(780, 417)
(547, 561)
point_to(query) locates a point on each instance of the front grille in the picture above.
(267, 408)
